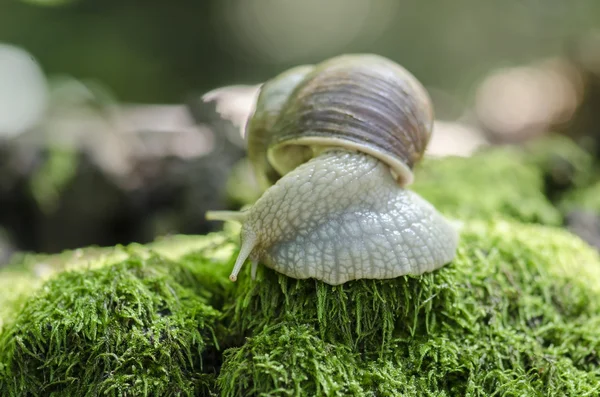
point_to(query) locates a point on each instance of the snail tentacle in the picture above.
(248, 243)
(233, 216)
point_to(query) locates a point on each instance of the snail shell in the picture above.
(360, 102)
(337, 144)
(260, 132)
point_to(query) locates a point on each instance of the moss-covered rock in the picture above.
(125, 321)
(495, 183)
(27, 272)
(517, 313)
(128, 327)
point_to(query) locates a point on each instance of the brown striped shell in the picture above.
(260, 133)
(360, 102)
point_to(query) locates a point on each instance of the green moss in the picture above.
(563, 163)
(289, 359)
(587, 198)
(516, 313)
(27, 272)
(130, 322)
(492, 184)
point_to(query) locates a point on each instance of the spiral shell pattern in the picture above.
(363, 102)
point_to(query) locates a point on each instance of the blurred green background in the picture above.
(158, 51)
(110, 143)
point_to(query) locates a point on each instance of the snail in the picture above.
(335, 145)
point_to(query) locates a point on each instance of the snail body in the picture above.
(336, 144)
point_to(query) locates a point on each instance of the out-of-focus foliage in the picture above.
(161, 50)
(478, 187)
(85, 148)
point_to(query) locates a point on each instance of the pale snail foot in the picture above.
(340, 217)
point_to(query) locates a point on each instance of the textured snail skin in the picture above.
(342, 216)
